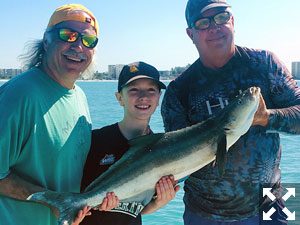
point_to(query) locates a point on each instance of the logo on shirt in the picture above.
(129, 208)
(107, 159)
(222, 104)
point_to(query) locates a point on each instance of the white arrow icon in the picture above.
(290, 216)
(267, 191)
(291, 191)
(267, 216)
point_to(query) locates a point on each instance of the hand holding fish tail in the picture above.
(166, 190)
(81, 214)
(262, 114)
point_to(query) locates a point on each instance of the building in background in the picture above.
(114, 71)
(296, 70)
(9, 73)
(164, 74)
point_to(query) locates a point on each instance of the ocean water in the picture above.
(105, 110)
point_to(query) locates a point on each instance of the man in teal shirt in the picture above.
(45, 123)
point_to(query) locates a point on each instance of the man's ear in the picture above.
(189, 32)
(46, 41)
(119, 98)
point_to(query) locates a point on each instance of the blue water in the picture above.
(105, 110)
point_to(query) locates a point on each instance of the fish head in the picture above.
(238, 115)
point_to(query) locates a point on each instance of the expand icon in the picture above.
(290, 215)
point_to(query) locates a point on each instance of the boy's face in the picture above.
(140, 99)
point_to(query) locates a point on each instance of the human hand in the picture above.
(262, 114)
(81, 214)
(109, 202)
(165, 190)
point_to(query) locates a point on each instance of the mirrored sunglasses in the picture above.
(220, 18)
(68, 35)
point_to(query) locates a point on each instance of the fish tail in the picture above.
(65, 202)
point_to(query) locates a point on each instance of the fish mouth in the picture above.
(254, 93)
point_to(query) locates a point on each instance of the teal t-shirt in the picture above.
(45, 137)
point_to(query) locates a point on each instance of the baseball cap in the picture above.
(195, 8)
(73, 12)
(138, 70)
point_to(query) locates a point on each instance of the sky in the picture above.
(152, 30)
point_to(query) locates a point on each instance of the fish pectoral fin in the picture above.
(221, 156)
(145, 140)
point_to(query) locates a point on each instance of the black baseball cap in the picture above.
(195, 8)
(138, 70)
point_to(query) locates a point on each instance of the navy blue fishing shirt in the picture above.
(200, 93)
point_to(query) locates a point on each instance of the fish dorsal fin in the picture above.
(145, 140)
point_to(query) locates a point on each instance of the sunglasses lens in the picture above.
(222, 18)
(89, 41)
(68, 35)
(202, 24)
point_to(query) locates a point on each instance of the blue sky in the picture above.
(153, 30)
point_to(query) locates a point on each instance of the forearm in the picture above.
(151, 207)
(285, 120)
(165, 193)
(284, 98)
(15, 187)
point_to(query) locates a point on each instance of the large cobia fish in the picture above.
(150, 157)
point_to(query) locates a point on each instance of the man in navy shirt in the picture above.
(221, 72)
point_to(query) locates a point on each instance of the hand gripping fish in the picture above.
(150, 157)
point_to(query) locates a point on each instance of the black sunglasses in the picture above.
(220, 18)
(70, 36)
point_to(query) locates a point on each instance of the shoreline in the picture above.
(4, 80)
(111, 80)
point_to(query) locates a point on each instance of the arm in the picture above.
(15, 187)
(285, 96)
(165, 192)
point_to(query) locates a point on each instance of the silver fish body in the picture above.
(150, 157)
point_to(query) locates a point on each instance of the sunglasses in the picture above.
(220, 18)
(70, 36)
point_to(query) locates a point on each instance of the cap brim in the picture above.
(214, 5)
(160, 84)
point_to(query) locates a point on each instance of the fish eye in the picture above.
(240, 101)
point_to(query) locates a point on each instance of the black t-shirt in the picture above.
(108, 146)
